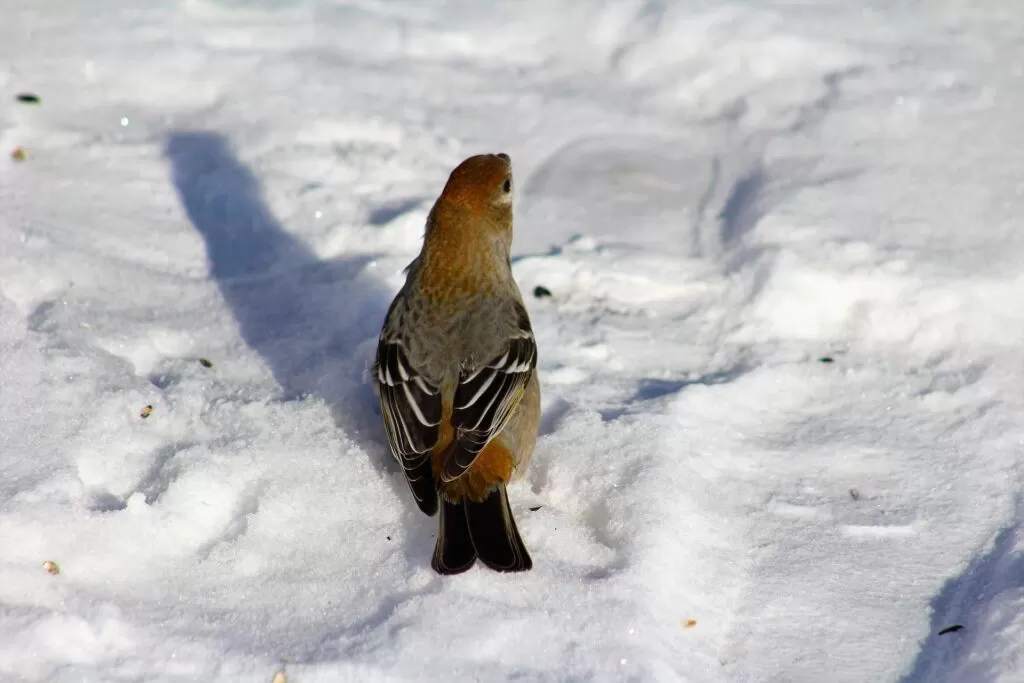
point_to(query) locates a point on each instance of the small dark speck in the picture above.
(206, 362)
(388, 537)
(951, 629)
(535, 508)
(826, 359)
(541, 291)
(27, 98)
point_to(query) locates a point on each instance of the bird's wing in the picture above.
(411, 406)
(487, 396)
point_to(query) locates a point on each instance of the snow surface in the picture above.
(718, 195)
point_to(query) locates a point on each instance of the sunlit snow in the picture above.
(782, 358)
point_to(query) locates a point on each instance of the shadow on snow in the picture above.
(313, 322)
(968, 600)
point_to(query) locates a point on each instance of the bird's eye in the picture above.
(507, 187)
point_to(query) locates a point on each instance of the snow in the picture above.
(781, 361)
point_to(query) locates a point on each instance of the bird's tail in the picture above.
(454, 552)
(487, 530)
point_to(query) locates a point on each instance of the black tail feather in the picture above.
(494, 533)
(454, 552)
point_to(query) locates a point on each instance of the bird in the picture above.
(456, 372)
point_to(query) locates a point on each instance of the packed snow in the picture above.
(782, 354)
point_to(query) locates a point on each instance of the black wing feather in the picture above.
(411, 407)
(486, 398)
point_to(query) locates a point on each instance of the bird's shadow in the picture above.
(314, 322)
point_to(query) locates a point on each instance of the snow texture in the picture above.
(782, 357)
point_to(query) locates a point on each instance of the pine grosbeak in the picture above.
(456, 372)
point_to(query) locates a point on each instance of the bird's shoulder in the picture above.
(491, 327)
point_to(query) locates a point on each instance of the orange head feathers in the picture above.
(477, 196)
(480, 183)
(469, 230)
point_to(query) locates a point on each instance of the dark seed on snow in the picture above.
(535, 508)
(28, 98)
(826, 359)
(541, 291)
(206, 362)
(951, 629)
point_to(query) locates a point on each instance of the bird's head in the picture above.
(478, 197)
